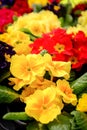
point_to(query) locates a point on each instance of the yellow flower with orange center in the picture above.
(64, 90)
(82, 103)
(27, 67)
(41, 105)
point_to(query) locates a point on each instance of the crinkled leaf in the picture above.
(36, 126)
(61, 123)
(79, 120)
(16, 116)
(72, 76)
(7, 95)
(80, 84)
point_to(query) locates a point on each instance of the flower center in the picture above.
(59, 47)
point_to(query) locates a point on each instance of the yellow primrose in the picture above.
(22, 48)
(41, 83)
(57, 68)
(41, 105)
(12, 39)
(63, 89)
(38, 23)
(61, 69)
(82, 103)
(76, 29)
(26, 92)
(82, 20)
(40, 2)
(73, 2)
(18, 83)
(27, 67)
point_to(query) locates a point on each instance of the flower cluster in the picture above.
(10, 9)
(43, 98)
(43, 64)
(74, 50)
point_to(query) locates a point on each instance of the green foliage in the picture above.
(61, 123)
(7, 95)
(80, 85)
(16, 116)
(15, 18)
(5, 74)
(79, 121)
(36, 126)
(27, 31)
(37, 7)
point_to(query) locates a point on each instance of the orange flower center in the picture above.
(59, 47)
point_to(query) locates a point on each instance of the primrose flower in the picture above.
(63, 89)
(41, 105)
(73, 2)
(27, 67)
(41, 83)
(19, 42)
(82, 103)
(37, 23)
(18, 83)
(57, 68)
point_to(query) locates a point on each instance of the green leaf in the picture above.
(61, 123)
(72, 76)
(27, 31)
(16, 116)
(36, 126)
(80, 85)
(43, 52)
(4, 75)
(79, 121)
(37, 7)
(15, 18)
(7, 95)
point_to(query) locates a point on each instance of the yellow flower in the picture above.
(22, 48)
(41, 83)
(73, 2)
(18, 83)
(26, 92)
(82, 104)
(40, 2)
(57, 68)
(64, 90)
(82, 20)
(38, 23)
(27, 67)
(41, 105)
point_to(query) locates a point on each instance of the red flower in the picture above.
(79, 50)
(21, 7)
(6, 17)
(51, 1)
(79, 7)
(55, 43)
(63, 47)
